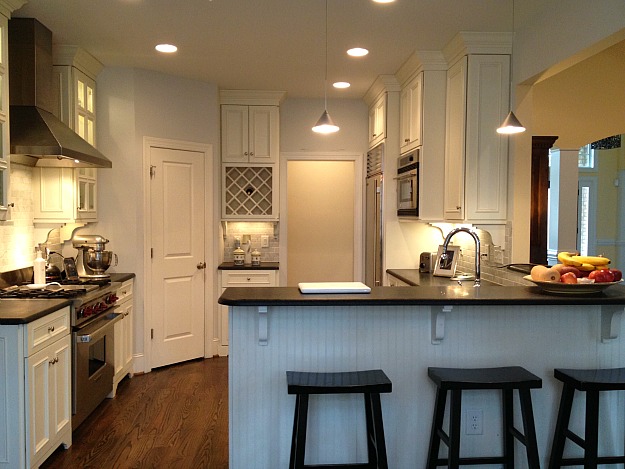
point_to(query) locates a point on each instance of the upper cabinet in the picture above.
(476, 156)
(377, 98)
(65, 195)
(249, 134)
(422, 125)
(4, 116)
(250, 149)
(411, 113)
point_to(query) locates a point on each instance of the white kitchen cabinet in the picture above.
(411, 112)
(123, 334)
(476, 156)
(240, 278)
(4, 120)
(35, 413)
(64, 195)
(250, 134)
(377, 121)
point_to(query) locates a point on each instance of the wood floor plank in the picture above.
(176, 416)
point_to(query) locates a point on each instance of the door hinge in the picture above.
(152, 171)
(151, 253)
(151, 333)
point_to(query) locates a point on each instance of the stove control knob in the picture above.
(111, 299)
(87, 311)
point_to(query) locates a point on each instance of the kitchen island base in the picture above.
(397, 339)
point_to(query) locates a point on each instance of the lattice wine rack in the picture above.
(248, 191)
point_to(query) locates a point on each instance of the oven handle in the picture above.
(97, 329)
(407, 175)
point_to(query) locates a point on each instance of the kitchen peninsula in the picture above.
(403, 330)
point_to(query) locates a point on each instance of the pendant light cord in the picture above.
(325, 78)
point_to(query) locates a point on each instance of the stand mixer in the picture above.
(92, 259)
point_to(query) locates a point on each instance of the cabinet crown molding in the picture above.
(75, 56)
(469, 42)
(252, 97)
(9, 6)
(423, 60)
(382, 84)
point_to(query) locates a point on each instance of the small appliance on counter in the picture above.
(92, 260)
(427, 262)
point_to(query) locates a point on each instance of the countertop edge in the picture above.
(32, 310)
(262, 266)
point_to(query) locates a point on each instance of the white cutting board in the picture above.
(333, 287)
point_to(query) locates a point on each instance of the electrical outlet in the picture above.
(485, 252)
(264, 241)
(474, 422)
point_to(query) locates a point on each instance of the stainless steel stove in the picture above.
(92, 320)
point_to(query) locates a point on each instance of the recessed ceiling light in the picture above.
(357, 52)
(383, 1)
(166, 48)
(341, 84)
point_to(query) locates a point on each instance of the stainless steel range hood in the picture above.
(38, 137)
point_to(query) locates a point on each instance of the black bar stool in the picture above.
(592, 382)
(370, 383)
(507, 379)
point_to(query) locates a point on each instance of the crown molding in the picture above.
(252, 97)
(419, 61)
(382, 84)
(469, 42)
(9, 6)
(75, 56)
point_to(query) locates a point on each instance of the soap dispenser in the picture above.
(39, 269)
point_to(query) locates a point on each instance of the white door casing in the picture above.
(178, 309)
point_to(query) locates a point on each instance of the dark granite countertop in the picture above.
(262, 266)
(121, 277)
(415, 278)
(466, 294)
(14, 311)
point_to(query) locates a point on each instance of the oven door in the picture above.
(93, 365)
(407, 194)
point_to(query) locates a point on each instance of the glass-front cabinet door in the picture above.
(4, 121)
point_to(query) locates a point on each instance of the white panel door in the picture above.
(178, 259)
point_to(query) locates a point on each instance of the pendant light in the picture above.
(325, 125)
(511, 125)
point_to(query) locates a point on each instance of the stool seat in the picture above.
(370, 383)
(506, 379)
(592, 382)
(337, 383)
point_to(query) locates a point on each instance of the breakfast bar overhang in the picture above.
(403, 330)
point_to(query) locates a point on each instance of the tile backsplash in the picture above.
(256, 230)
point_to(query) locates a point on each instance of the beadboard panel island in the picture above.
(403, 330)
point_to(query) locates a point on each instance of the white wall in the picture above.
(133, 104)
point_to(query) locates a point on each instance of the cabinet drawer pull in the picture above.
(406, 140)
(249, 279)
(53, 361)
(50, 329)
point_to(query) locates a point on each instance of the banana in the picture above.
(594, 260)
(586, 267)
(567, 258)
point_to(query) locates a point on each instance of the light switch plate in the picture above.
(264, 241)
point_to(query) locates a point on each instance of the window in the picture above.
(586, 158)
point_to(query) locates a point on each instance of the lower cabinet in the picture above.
(35, 413)
(240, 278)
(123, 334)
(395, 282)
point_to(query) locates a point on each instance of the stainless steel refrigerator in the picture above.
(373, 217)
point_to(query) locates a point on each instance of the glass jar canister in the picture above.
(255, 257)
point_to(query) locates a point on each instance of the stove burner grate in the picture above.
(42, 294)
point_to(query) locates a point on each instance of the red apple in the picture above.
(601, 276)
(618, 275)
(568, 277)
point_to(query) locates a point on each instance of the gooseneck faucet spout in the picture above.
(477, 249)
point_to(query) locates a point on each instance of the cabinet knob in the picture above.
(251, 153)
(458, 207)
(248, 279)
(245, 153)
(53, 361)
(201, 265)
(50, 329)
(406, 140)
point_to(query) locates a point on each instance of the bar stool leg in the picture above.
(298, 441)
(454, 429)
(377, 451)
(529, 429)
(437, 426)
(507, 425)
(562, 425)
(592, 429)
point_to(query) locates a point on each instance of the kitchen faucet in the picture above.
(477, 249)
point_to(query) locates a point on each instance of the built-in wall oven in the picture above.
(408, 184)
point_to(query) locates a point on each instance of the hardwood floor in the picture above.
(174, 417)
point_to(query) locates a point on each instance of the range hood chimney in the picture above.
(38, 138)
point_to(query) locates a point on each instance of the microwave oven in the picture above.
(408, 184)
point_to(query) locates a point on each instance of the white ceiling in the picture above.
(265, 44)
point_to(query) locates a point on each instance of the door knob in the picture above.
(201, 265)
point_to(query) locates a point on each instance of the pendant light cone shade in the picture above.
(325, 125)
(511, 125)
